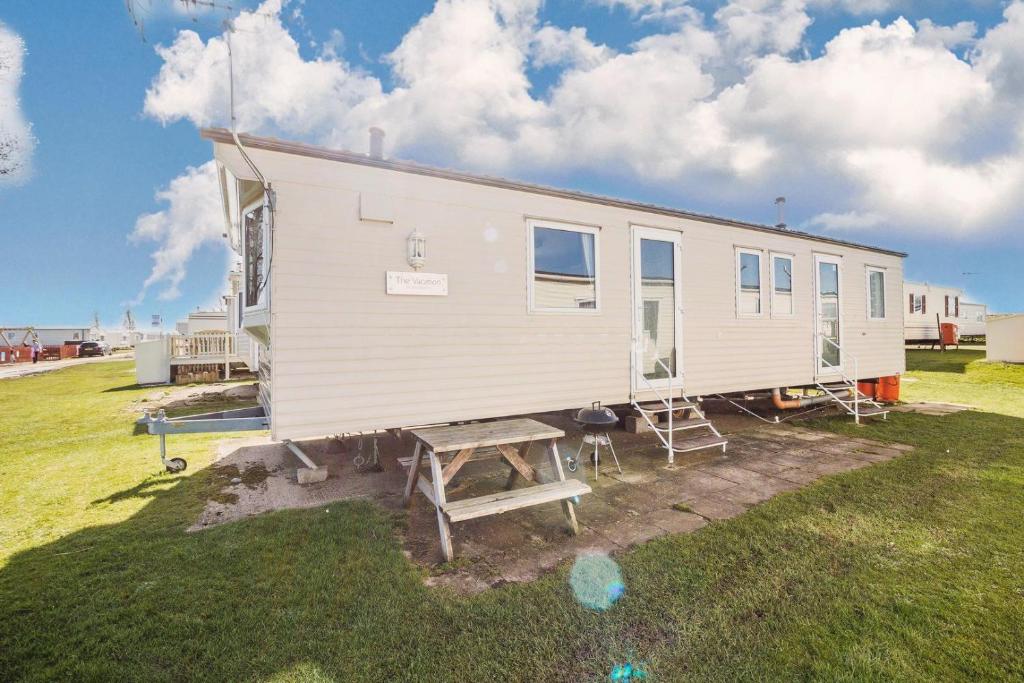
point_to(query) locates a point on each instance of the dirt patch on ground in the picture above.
(257, 475)
(195, 397)
(647, 500)
(251, 477)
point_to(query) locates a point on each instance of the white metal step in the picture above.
(700, 443)
(682, 425)
(662, 409)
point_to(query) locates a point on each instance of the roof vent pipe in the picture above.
(376, 143)
(780, 204)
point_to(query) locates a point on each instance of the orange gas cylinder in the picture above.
(950, 333)
(888, 389)
(867, 386)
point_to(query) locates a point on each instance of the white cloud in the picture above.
(755, 26)
(1000, 53)
(654, 10)
(554, 46)
(273, 83)
(950, 37)
(887, 127)
(856, 7)
(16, 140)
(839, 222)
(193, 218)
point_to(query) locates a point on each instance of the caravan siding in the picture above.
(921, 303)
(348, 357)
(972, 319)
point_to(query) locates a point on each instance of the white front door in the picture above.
(657, 309)
(828, 314)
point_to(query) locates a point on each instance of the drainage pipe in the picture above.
(792, 403)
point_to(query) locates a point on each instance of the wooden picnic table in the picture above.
(461, 442)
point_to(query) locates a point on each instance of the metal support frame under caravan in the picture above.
(241, 420)
(224, 421)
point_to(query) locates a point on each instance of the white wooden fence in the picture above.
(213, 345)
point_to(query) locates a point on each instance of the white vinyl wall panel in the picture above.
(347, 357)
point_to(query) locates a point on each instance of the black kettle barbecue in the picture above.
(595, 422)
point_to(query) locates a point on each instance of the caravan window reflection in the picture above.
(563, 268)
(748, 282)
(782, 285)
(876, 293)
(253, 255)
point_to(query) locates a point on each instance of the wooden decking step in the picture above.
(505, 501)
(699, 443)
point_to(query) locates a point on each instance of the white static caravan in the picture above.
(922, 302)
(387, 294)
(47, 336)
(972, 319)
(1005, 340)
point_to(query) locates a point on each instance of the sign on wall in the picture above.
(417, 284)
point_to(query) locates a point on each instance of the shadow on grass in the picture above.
(134, 387)
(327, 594)
(942, 361)
(148, 488)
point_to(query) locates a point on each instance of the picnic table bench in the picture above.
(458, 443)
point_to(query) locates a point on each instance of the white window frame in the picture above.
(792, 282)
(262, 302)
(639, 233)
(531, 225)
(836, 259)
(867, 292)
(739, 281)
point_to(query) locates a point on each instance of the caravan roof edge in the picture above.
(223, 135)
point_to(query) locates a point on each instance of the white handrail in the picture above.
(838, 369)
(667, 403)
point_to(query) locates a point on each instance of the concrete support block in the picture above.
(307, 475)
(636, 425)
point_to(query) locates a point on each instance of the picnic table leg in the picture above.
(556, 466)
(439, 500)
(414, 471)
(516, 458)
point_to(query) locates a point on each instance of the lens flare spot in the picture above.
(628, 672)
(596, 581)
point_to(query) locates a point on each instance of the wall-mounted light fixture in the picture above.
(416, 249)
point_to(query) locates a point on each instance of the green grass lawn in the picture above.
(907, 570)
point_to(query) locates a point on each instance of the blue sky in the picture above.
(726, 97)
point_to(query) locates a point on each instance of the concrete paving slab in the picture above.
(715, 507)
(675, 521)
(622, 511)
